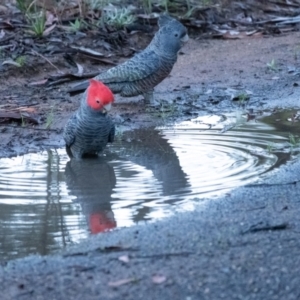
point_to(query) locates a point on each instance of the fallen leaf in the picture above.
(121, 282)
(88, 51)
(80, 69)
(11, 62)
(124, 258)
(3, 8)
(158, 279)
(2, 34)
(48, 30)
(50, 18)
(27, 109)
(40, 82)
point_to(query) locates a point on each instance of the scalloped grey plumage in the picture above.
(87, 132)
(140, 74)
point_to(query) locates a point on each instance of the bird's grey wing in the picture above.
(70, 131)
(139, 67)
(111, 135)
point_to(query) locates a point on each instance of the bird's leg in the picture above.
(149, 98)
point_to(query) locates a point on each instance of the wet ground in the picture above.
(65, 201)
(242, 246)
(207, 76)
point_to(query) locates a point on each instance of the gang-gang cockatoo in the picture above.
(140, 74)
(89, 129)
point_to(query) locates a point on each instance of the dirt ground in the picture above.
(207, 76)
(216, 255)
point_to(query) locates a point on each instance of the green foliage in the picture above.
(270, 147)
(49, 119)
(77, 25)
(38, 24)
(21, 60)
(118, 17)
(147, 6)
(23, 124)
(205, 2)
(97, 4)
(293, 140)
(272, 65)
(243, 97)
(165, 110)
(24, 5)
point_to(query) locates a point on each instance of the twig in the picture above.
(272, 184)
(36, 53)
(267, 227)
(164, 255)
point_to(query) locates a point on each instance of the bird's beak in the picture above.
(107, 107)
(185, 38)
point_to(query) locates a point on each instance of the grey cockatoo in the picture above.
(89, 129)
(141, 73)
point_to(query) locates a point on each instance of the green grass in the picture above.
(118, 17)
(243, 97)
(21, 60)
(147, 6)
(97, 4)
(23, 124)
(37, 23)
(272, 65)
(25, 5)
(165, 110)
(294, 140)
(49, 119)
(77, 25)
(270, 147)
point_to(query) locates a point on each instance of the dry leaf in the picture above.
(124, 258)
(40, 82)
(3, 8)
(88, 51)
(27, 109)
(120, 282)
(50, 18)
(158, 279)
(48, 30)
(232, 34)
(80, 69)
(11, 62)
(2, 34)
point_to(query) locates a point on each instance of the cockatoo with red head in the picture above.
(89, 129)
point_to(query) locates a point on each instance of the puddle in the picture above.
(47, 201)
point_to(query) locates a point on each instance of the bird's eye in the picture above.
(176, 34)
(97, 101)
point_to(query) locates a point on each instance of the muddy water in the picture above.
(48, 201)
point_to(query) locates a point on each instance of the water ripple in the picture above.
(47, 201)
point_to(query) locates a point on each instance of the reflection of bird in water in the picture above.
(92, 182)
(150, 149)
